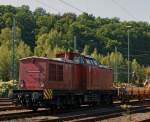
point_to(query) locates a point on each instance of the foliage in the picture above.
(6, 87)
(5, 62)
(86, 50)
(22, 50)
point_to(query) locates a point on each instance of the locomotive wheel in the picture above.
(125, 100)
(54, 109)
(106, 100)
(93, 104)
(35, 108)
(109, 100)
(15, 102)
(141, 99)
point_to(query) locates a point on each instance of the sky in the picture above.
(126, 10)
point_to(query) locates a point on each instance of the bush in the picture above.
(6, 86)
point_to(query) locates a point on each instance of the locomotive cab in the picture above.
(77, 58)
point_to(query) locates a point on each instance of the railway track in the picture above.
(7, 108)
(22, 114)
(8, 111)
(81, 114)
(5, 99)
(147, 120)
(98, 115)
(7, 104)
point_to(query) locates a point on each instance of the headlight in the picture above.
(22, 83)
(42, 84)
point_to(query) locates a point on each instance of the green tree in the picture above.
(26, 21)
(97, 56)
(86, 50)
(5, 63)
(47, 42)
(22, 50)
(137, 72)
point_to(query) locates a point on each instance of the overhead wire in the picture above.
(47, 5)
(70, 5)
(124, 9)
(132, 16)
(140, 55)
(123, 48)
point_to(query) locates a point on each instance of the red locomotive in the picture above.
(70, 79)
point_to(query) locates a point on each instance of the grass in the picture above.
(127, 111)
(52, 117)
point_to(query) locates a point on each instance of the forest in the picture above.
(41, 33)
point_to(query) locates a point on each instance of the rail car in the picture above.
(133, 93)
(69, 80)
(130, 92)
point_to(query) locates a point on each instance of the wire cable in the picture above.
(48, 6)
(124, 9)
(123, 48)
(70, 5)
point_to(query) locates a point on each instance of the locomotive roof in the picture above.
(63, 59)
(33, 57)
(45, 58)
(87, 56)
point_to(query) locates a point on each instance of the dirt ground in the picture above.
(138, 117)
(129, 118)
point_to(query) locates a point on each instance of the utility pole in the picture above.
(75, 44)
(128, 56)
(116, 66)
(128, 27)
(13, 50)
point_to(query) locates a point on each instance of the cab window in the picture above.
(95, 62)
(88, 61)
(91, 61)
(78, 60)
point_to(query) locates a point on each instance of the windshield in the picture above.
(78, 60)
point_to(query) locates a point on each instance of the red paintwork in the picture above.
(36, 70)
(32, 71)
(98, 78)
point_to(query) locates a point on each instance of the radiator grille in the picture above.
(55, 72)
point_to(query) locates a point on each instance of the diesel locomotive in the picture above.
(70, 79)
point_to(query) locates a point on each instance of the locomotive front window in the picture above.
(91, 61)
(78, 60)
(88, 61)
(95, 62)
